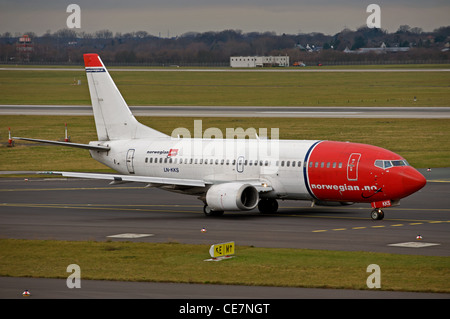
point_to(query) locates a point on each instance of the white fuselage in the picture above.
(279, 162)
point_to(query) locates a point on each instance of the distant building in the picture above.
(258, 61)
(24, 48)
(381, 49)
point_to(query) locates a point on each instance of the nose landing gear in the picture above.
(377, 214)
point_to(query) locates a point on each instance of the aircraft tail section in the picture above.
(113, 118)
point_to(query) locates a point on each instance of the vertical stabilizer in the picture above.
(113, 118)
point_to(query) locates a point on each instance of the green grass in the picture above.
(172, 262)
(235, 88)
(423, 142)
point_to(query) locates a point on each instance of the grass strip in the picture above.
(173, 262)
(423, 88)
(423, 142)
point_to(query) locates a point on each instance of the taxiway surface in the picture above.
(73, 209)
(241, 111)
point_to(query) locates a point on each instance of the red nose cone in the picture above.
(412, 181)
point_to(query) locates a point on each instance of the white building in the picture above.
(258, 61)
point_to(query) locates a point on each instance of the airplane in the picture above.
(238, 174)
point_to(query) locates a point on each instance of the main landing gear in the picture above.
(267, 206)
(377, 214)
(209, 212)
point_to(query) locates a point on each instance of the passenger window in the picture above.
(282, 163)
(340, 165)
(317, 164)
(288, 163)
(310, 164)
(299, 163)
(328, 165)
(334, 164)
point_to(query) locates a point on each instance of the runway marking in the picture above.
(413, 244)
(383, 226)
(307, 112)
(93, 207)
(130, 235)
(197, 210)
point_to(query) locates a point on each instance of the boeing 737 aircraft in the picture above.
(238, 174)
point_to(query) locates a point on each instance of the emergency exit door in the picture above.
(130, 158)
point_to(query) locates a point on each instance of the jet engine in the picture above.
(232, 196)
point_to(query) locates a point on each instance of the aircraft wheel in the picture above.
(377, 214)
(268, 206)
(209, 212)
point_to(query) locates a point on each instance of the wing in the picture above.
(261, 187)
(133, 178)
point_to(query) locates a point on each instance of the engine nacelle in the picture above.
(232, 196)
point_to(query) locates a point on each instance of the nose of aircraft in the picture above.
(412, 180)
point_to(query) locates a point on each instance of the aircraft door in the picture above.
(352, 166)
(240, 164)
(130, 158)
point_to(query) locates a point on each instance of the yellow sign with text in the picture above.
(223, 249)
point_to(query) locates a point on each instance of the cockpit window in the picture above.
(388, 164)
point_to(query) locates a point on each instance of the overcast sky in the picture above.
(175, 17)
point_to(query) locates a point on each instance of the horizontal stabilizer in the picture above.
(132, 178)
(85, 146)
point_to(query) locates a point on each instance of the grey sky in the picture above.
(180, 16)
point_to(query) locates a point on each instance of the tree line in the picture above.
(67, 46)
